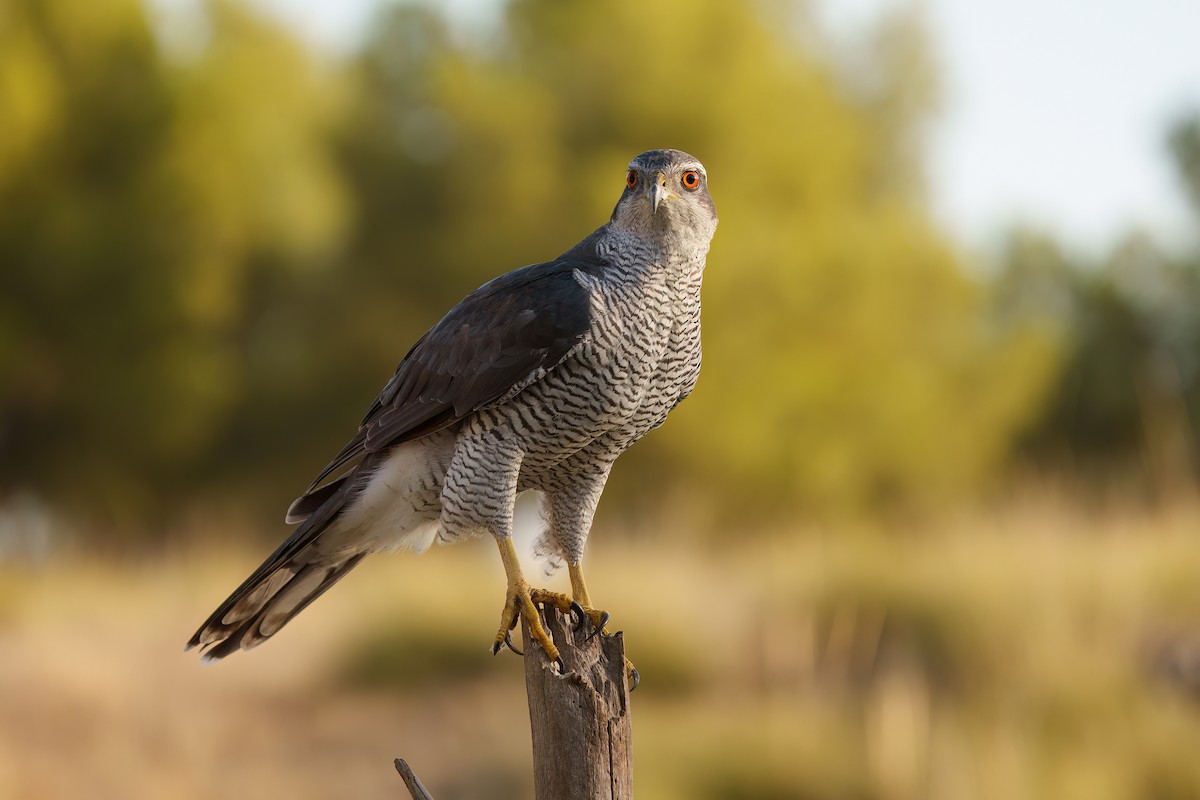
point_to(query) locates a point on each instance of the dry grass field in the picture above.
(1037, 653)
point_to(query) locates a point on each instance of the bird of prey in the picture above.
(537, 380)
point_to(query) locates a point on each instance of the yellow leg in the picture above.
(520, 602)
(599, 618)
(580, 593)
(578, 587)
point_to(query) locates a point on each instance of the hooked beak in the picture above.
(657, 191)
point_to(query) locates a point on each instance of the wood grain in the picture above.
(582, 730)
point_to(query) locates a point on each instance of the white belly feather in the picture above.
(400, 506)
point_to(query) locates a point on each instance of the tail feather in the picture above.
(304, 505)
(262, 613)
(298, 572)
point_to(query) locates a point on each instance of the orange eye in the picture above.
(691, 179)
(631, 179)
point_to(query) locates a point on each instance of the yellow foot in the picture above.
(521, 602)
(579, 590)
(598, 617)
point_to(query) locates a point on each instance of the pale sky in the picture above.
(1055, 111)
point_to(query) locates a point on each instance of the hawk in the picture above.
(537, 380)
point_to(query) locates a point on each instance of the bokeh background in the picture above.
(927, 528)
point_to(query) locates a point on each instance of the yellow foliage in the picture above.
(270, 231)
(1035, 653)
(849, 359)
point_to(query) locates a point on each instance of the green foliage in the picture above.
(214, 258)
(1184, 144)
(1124, 405)
(841, 330)
(138, 196)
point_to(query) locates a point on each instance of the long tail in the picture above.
(296, 574)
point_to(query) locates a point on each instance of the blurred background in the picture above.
(927, 528)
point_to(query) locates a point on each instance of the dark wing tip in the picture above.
(304, 505)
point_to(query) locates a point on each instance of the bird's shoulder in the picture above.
(496, 341)
(551, 290)
(520, 321)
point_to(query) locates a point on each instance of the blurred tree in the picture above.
(137, 196)
(848, 359)
(1184, 144)
(1125, 405)
(214, 256)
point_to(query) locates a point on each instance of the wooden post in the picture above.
(582, 733)
(411, 781)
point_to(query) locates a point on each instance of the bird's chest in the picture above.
(640, 358)
(653, 348)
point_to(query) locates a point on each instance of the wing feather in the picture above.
(500, 338)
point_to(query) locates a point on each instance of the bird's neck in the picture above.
(639, 266)
(634, 251)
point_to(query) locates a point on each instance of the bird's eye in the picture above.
(631, 179)
(690, 179)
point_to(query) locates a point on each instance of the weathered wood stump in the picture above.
(582, 731)
(411, 781)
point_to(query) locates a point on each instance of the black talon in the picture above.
(604, 618)
(562, 665)
(634, 678)
(495, 648)
(508, 642)
(579, 614)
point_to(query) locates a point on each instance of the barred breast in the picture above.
(640, 359)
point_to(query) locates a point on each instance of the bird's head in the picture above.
(666, 200)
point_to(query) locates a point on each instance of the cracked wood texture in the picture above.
(582, 734)
(411, 781)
